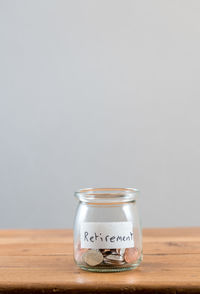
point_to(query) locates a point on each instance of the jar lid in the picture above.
(106, 195)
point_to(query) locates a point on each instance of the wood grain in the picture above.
(41, 261)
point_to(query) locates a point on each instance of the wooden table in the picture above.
(41, 261)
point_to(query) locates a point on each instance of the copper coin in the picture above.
(131, 255)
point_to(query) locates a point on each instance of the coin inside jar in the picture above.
(105, 251)
(131, 255)
(92, 257)
(120, 251)
(114, 259)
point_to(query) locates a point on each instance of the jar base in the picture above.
(110, 269)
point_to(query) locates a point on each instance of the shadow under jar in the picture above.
(107, 230)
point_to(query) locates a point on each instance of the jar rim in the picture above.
(106, 195)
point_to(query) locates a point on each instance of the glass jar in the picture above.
(107, 230)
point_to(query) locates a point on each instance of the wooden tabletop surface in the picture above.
(41, 261)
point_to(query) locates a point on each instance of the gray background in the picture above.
(99, 93)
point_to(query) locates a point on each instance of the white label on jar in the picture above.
(106, 235)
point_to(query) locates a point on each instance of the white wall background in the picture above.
(99, 93)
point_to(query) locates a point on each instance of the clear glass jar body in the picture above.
(107, 230)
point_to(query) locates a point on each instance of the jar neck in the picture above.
(108, 196)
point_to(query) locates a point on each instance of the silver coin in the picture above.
(92, 257)
(113, 263)
(120, 251)
(114, 259)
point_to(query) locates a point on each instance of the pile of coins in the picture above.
(107, 257)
